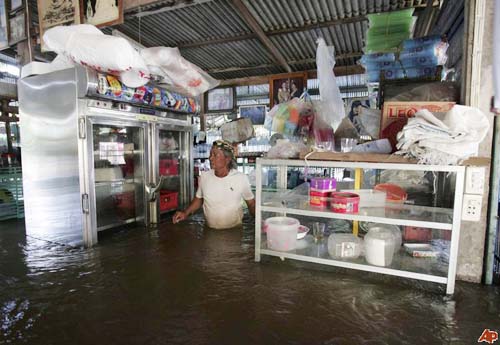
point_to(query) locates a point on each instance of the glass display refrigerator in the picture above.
(99, 155)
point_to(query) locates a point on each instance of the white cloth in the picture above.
(445, 142)
(222, 198)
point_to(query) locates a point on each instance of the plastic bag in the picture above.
(178, 73)
(284, 148)
(291, 118)
(288, 197)
(332, 109)
(368, 122)
(238, 131)
(88, 46)
(323, 132)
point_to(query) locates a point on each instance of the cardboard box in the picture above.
(395, 116)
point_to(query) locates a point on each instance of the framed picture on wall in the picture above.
(15, 4)
(256, 113)
(283, 87)
(4, 26)
(53, 13)
(221, 99)
(17, 28)
(102, 12)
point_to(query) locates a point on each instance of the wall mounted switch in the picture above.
(475, 180)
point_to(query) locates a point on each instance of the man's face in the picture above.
(358, 110)
(217, 159)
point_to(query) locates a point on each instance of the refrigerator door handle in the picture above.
(152, 189)
(85, 204)
(81, 128)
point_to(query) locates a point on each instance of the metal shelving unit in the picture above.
(444, 219)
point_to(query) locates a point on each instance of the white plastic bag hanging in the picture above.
(332, 109)
(178, 73)
(88, 46)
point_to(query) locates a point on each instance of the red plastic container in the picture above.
(394, 193)
(169, 167)
(168, 200)
(416, 234)
(343, 202)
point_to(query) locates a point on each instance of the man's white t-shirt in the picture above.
(222, 198)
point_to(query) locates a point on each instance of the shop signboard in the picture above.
(395, 115)
(56, 12)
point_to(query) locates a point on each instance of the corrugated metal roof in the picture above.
(279, 14)
(215, 36)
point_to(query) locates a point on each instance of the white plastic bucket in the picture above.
(281, 233)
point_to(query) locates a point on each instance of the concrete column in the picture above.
(478, 92)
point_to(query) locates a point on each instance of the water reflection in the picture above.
(185, 284)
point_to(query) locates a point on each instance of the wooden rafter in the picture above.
(340, 70)
(275, 32)
(293, 62)
(252, 23)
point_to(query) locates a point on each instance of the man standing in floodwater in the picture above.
(220, 191)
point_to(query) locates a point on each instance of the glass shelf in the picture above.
(397, 214)
(429, 269)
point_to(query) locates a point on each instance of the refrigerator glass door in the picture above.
(173, 170)
(119, 174)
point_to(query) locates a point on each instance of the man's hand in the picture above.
(179, 216)
(193, 206)
(251, 206)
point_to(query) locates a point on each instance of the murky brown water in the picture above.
(186, 285)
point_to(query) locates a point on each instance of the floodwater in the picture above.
(184, 284)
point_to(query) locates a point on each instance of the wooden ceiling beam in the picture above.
(256, 80)
(293, 62)
(276, 32)
(252, 23)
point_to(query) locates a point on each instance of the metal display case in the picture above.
(436, 218)
(99, 155)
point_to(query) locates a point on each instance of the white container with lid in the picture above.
(394, 229)
(369, 197)
(281, 233)
(380, 244)
(344, 246)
